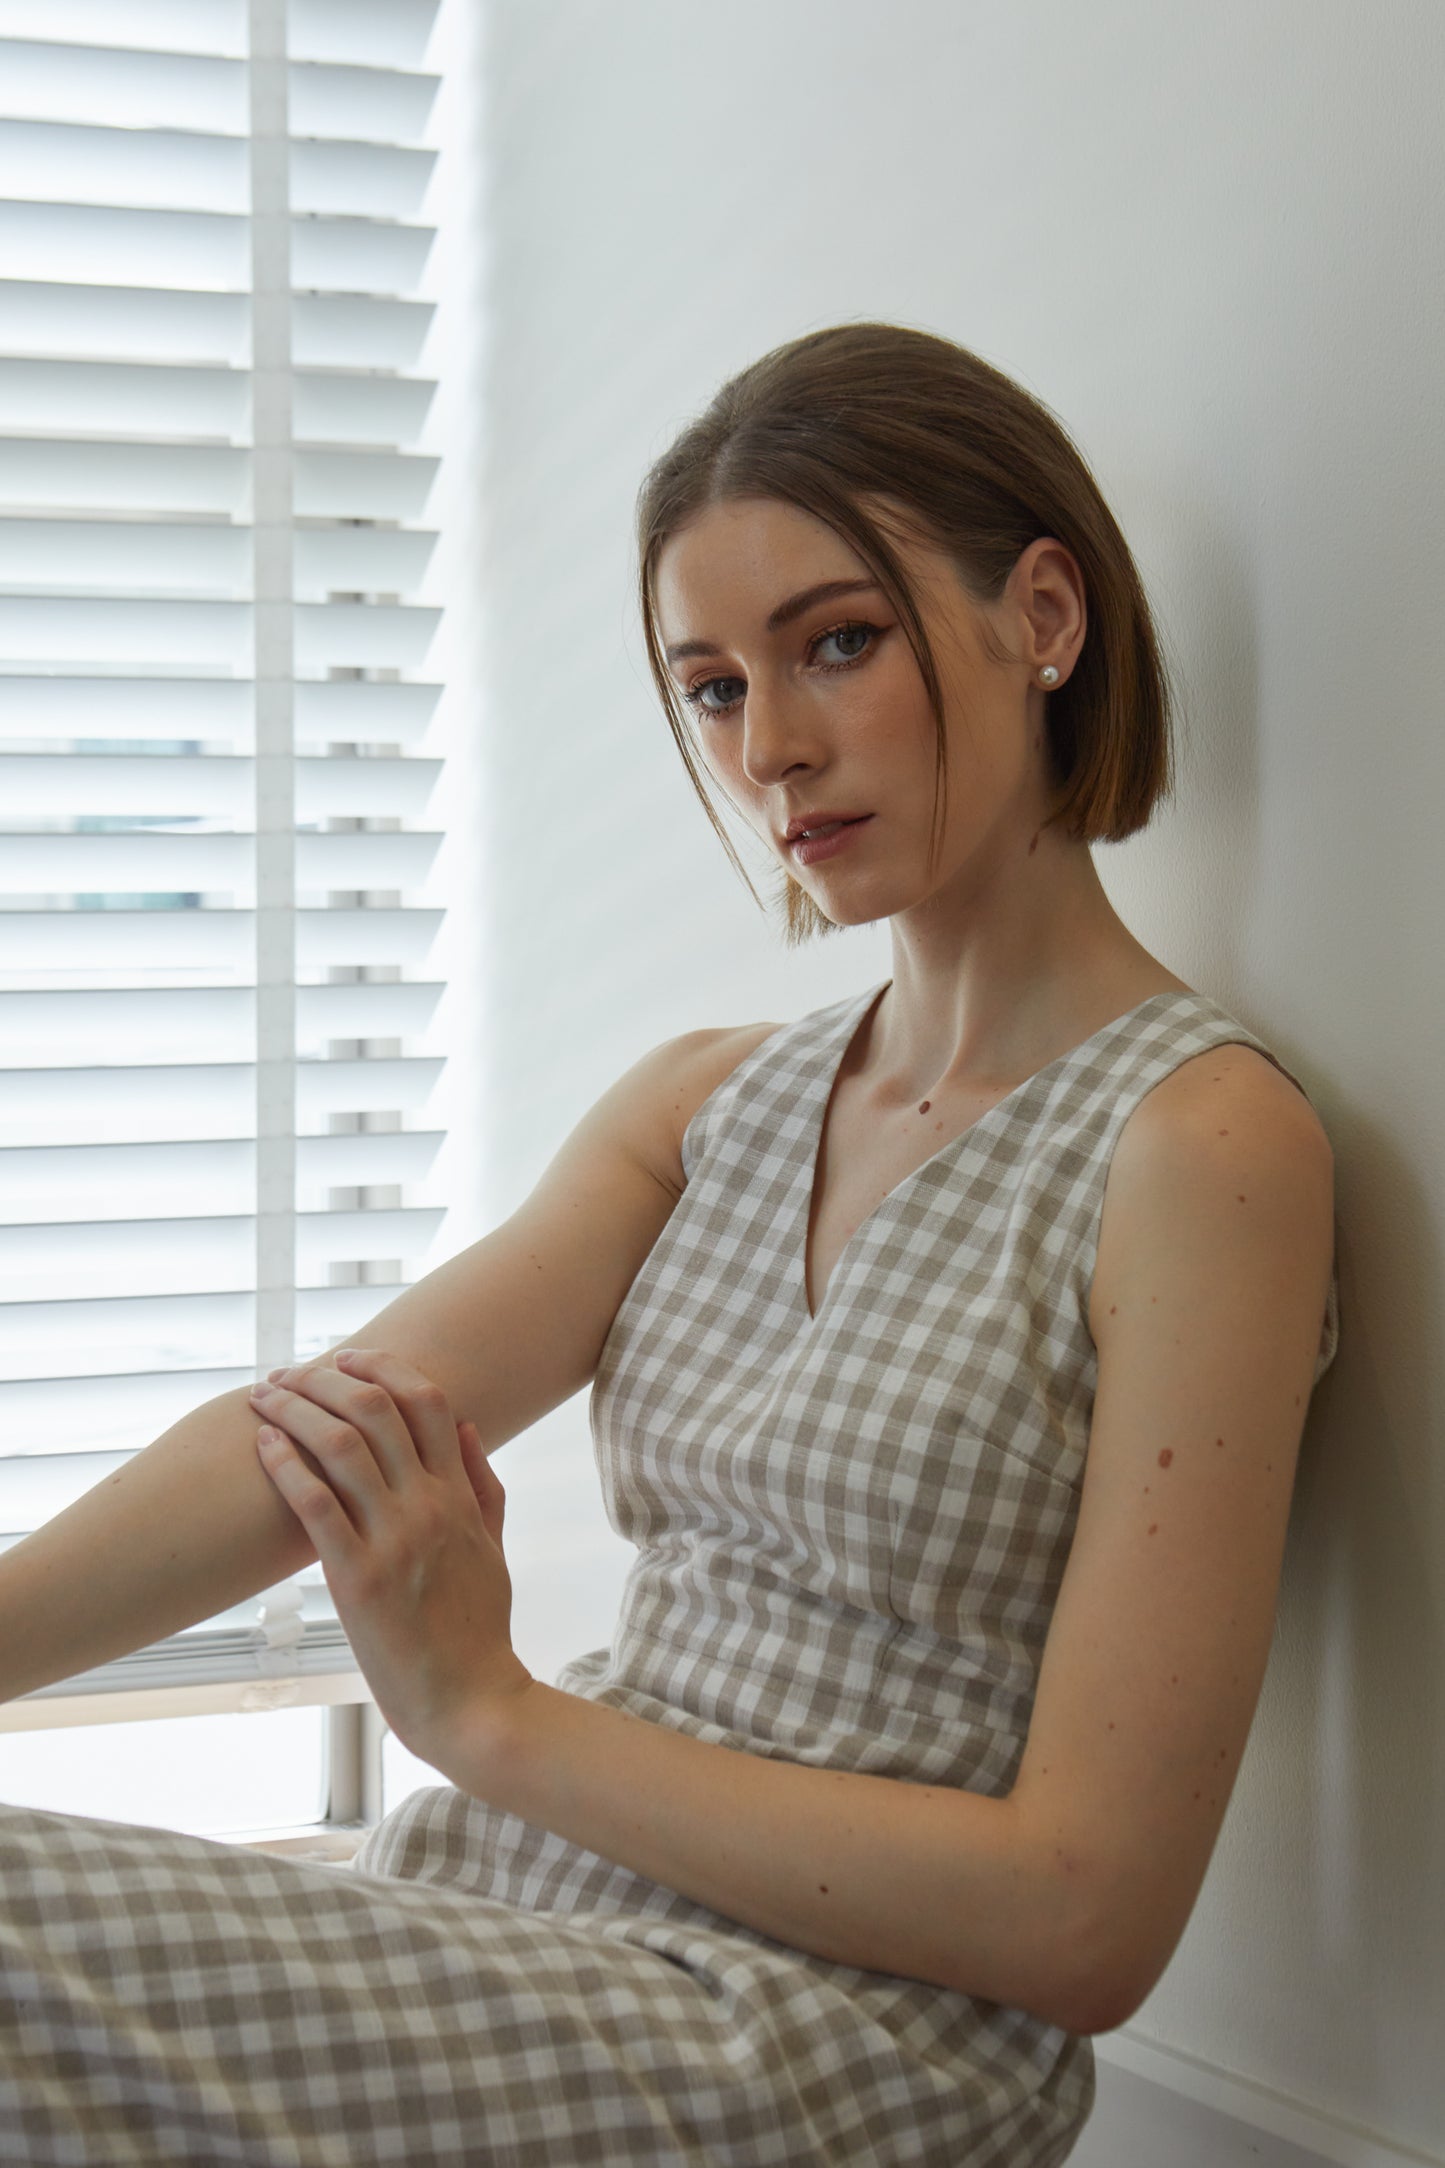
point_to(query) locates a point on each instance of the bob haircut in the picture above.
(969, 461)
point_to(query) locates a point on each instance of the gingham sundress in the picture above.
(850, 1533)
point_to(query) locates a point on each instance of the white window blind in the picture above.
(217, 782)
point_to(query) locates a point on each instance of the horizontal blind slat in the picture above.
(360, 331)
(198, 558)
(170, 708)
(392, 105)
(82, 473)
(62, 160)
(357, 409)
(87, 241)
(140, 1100)
(141, 323)
(379, 33)
(91, 629)
(204, 1176)
(145, 859)
(362, 485)
(149, 322)
(50, 395)
(212, 784)
(117, 87)
(358, 255)
(53, 1026)
(164, 1256)
(208, 26)
(208, 939)
(85, 474)
(377, 180)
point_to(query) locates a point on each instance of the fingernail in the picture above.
(273, 1377)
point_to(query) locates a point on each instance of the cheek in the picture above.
(894, 707)
(712, 765)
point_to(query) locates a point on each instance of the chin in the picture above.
(840, 915)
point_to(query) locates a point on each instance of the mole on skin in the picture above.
(925, 1106)
(1166, 1456)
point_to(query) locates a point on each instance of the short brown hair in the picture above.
(983, 469)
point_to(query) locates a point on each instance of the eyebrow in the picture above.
(783, 614)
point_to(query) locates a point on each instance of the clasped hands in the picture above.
(405, 1512)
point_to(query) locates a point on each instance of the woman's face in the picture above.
(805, 701)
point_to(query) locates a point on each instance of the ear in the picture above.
(1049, 591)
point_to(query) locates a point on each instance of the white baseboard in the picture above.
(1241, 2109)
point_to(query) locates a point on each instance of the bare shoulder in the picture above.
(1226, 1123)
(686, 1071)
(1235, 1073)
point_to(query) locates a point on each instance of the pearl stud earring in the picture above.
(1048, 675)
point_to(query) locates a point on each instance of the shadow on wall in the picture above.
(1365, 1586)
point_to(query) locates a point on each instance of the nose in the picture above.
(777, 735)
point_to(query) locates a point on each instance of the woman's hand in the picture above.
(405, 1512)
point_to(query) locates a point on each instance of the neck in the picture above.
(993, 980)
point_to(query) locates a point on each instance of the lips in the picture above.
(814, 821)
(826, 841)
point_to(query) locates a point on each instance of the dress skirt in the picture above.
(166, 1998)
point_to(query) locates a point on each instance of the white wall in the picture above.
(1209, 238)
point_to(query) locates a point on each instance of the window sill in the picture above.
(334, 1846)
(330, 1689)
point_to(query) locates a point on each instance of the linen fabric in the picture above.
(850, 1533)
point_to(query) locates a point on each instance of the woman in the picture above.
(950, 1348)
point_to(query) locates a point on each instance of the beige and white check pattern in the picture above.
(850, 1533)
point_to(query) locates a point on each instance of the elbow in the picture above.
(1099, 2007)
(1100, 1941)
(1088, 1997)
(1097, 1979)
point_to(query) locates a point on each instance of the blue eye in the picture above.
(695, 699)
(845, 632)
(871, 634)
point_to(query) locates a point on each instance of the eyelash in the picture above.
(693, 696)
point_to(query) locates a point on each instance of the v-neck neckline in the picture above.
(813, 1138)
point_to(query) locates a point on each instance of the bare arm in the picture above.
(1068, 1896)
(509, 1329)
